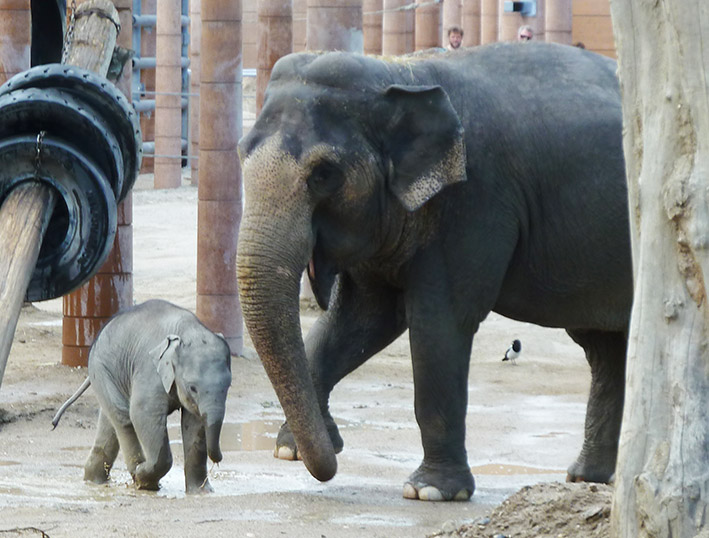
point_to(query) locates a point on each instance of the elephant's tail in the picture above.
(85, 385)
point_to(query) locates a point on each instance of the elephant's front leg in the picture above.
(149, 418)
(194, 442)
(440, 352)
(359, 323)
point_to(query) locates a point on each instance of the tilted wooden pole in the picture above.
(26, 211)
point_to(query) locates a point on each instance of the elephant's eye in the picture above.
(325, 179)
(192, 389)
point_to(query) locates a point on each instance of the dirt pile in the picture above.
(550, 510)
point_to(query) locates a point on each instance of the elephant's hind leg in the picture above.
(605, 352)
(97, 468)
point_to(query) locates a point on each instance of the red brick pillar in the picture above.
(471, 23)
(397, 28)
(427, 25)
(451, 16)
(558, 21)
(15, 29)
(372, 26)
(147, 79)
(489, 21)
(335, 25)
(195, 63)
(88, 309)
(219, 192)
(300, 20)
(168, 86)
(275, 39)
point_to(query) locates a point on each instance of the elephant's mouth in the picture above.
(321, 273)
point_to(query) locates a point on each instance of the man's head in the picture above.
(525, 33)
(455, 37)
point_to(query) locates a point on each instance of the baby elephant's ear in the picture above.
(164, 357)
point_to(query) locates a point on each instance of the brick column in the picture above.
(335, 25)
(427, 25)
(275, 22)
(195, 64)
(300, 20)
(15, 29)
(558, 21)
(219, 192)
(471, 23)
(489, 21)
(147, 78)
(88, 309)
(372, 26)
(168, 85)
(397, 29)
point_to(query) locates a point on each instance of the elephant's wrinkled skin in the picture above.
(422, 193)
(147, 362)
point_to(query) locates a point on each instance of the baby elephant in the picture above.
(147, 362)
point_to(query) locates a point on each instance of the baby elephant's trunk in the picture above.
(213, 430)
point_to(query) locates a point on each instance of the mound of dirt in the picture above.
(549, 510)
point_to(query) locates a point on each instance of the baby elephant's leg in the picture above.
(194, 442)
(150, 423)
(97, 468)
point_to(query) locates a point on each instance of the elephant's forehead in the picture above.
(272, 166)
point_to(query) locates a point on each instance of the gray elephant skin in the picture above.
(422, 193)
(148, 361)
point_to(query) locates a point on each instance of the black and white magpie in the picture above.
(513, 352)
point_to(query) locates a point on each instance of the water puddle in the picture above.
(508, 469)
(246, 436)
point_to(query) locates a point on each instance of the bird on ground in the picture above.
(513, 352)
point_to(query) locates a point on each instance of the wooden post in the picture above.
(195, 67)
(397, 28)
(558, 21)
(219, 191)
(488, 21)
(31, 206)
(471, 23)
(275, 39)
(426, 26)
(300, 19)
(89, 308)
(15, 29)
(372, 26)
(335, 25)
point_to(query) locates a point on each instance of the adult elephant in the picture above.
(424, 192)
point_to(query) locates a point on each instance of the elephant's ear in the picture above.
(424, 141)
(164, 357)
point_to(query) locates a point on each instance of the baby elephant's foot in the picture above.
(96, 469)
(148, 476)
(286, 448)
(434, 483)
(199, 489)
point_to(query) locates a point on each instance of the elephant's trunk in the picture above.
(214, 430)
(269, 268)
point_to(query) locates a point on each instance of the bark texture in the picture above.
(662, 477)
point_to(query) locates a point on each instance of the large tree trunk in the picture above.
(662, 477)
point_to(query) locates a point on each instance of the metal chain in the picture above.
(38, 153)
(69, 37)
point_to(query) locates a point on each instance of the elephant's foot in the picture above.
(598, 468)
(199, 489)
(148, 476)
(285, 442)
(434, 483)
(96, 469)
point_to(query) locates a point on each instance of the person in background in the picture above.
(455, 38)
(525, 33)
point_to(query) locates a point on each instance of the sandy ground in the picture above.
(525, 425)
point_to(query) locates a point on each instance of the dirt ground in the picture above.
(525, 425)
